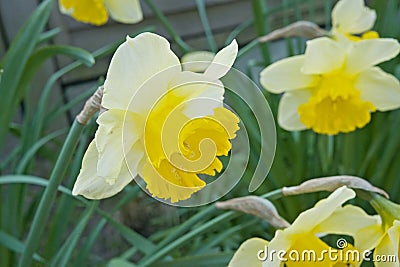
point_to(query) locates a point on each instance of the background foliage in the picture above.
(132, 229)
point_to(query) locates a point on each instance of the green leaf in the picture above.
(64, 254)
(117, 262)
(48, 35)
(15, 245)
(29, 179)
(212, 260)
(15, 60)
(41, 55)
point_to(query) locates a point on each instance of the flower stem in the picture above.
(178, 40)
(42, 213)
(259, 24)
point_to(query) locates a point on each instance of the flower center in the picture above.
(335, 106)
(87, 11)
(179, 148)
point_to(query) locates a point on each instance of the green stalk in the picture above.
(259, 24)
(171, 31)
(42, 213)
(159, 253)
(201, 7)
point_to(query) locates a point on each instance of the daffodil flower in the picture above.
(165, 124)
(351, 18)
(333, 88)
(388, 245)
(327, 217)
(97, 11)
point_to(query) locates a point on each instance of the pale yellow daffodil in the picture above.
(387, 249)
(351, 18)
(303, 235)
(97, 11)
(165, 124)
(333, 88)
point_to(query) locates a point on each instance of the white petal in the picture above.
(353, 221)
(247, 253)
(197, 61)
(323, 55)
(367, 53)
(352, 16)
(112, 142)
(125, 11)
(134, 62)
(309, 219)
(92, 186)
(201, 94)
(222, 61)
(288, 116)
(380, 88)
(286, 75)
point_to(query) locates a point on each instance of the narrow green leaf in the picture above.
(15, 60)
(64, 254)
(117, 262)
(15, 245)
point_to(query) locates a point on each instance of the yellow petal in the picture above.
(323, 55)
(368, 53)
(352, 16)
(286, 75)
(309, 219)
(222, 61)
(168, 182)
(90, 185)
(354, 221)
(197, 61)
(288, 116)
(136, 61)
(247, 253)
(379, 88)
(87, 11)
(125, 11)
(388, 247)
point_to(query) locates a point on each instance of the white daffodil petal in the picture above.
(134, 62)
(353, 221)
(323, 55)
(309, 219)
(247, 253)
(288, 116)
(394, 235)
(363, 23)
(197, 61)
(201, 94)
(367, 53)
(352, 16)
(285, 75)
(112, 143)
(91, 186)
(379, 88)
(222, 61)
(125, 11)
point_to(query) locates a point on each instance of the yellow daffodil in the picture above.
(333, 88)
(165, 124)
(96, 11)
(351, 18)
(246, 255)
(387, 250)
(327, 217)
